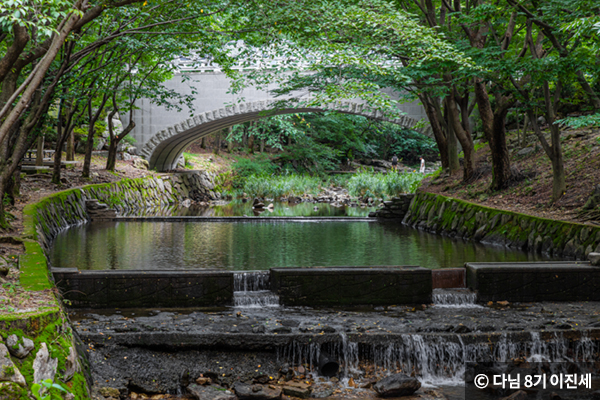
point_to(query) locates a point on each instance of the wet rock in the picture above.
(520, 395)
(19, 347)
(397, 385)
(8, 371)
(203, 381)
(107, 391)
(322, 391)
(256, 392)
(210, 392)
(297, 389)
(44, 366)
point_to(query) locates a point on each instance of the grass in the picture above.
(363, 184)
(276, 186)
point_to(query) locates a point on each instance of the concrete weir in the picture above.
(339, 286)
(534, 281)
(316, 286)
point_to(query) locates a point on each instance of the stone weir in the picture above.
(461, 219)
(320, 286)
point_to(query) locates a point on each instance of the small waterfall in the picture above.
(454, 298)
(438, 359)
(252, 281)
(251, 290)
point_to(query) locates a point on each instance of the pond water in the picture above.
(260, 245)
(238, 208)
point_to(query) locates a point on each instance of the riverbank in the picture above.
(531, 187)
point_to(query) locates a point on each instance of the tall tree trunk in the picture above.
(262, 145)
(70, 156)
(464, 137)
(111, 159)
(495, 134)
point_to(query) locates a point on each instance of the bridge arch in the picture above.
(164, 149)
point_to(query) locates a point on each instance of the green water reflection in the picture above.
(259, 245)
(238, 208)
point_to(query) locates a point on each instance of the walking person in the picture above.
(395, 163)
(422, 170)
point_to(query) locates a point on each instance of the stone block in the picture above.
(332, 286)
(98, 289)
(534, 281)
(594, 259)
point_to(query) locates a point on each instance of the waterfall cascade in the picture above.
(252, 290)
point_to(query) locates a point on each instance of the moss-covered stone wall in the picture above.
(45, 219)
(48, 330)
(461, 219)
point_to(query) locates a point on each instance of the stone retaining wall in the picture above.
(59, 211)
(461, 219)
(395, 208)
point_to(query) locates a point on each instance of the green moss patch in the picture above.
(34, 269)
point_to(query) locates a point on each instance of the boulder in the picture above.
(210, 392)
(397, 385)
(140, 163)
(256, 392)
(19, 347)
(594, 259)
(8, 370)
(594, 200)
(44, 366)
(297, 389)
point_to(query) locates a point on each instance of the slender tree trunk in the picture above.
(434, 116)
(89, 147)
(230, 141)
(111, 159)
(559, 185)
(262, 145)
(464, 137)
(251, 144)
(39, 154)
(202, 144)
(70, 156)
(453, 162)
(3, 221)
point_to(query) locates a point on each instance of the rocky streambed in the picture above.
(233, 351)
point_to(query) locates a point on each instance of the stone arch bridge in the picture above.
(162, 135)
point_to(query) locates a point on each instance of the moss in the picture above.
(34, 269)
